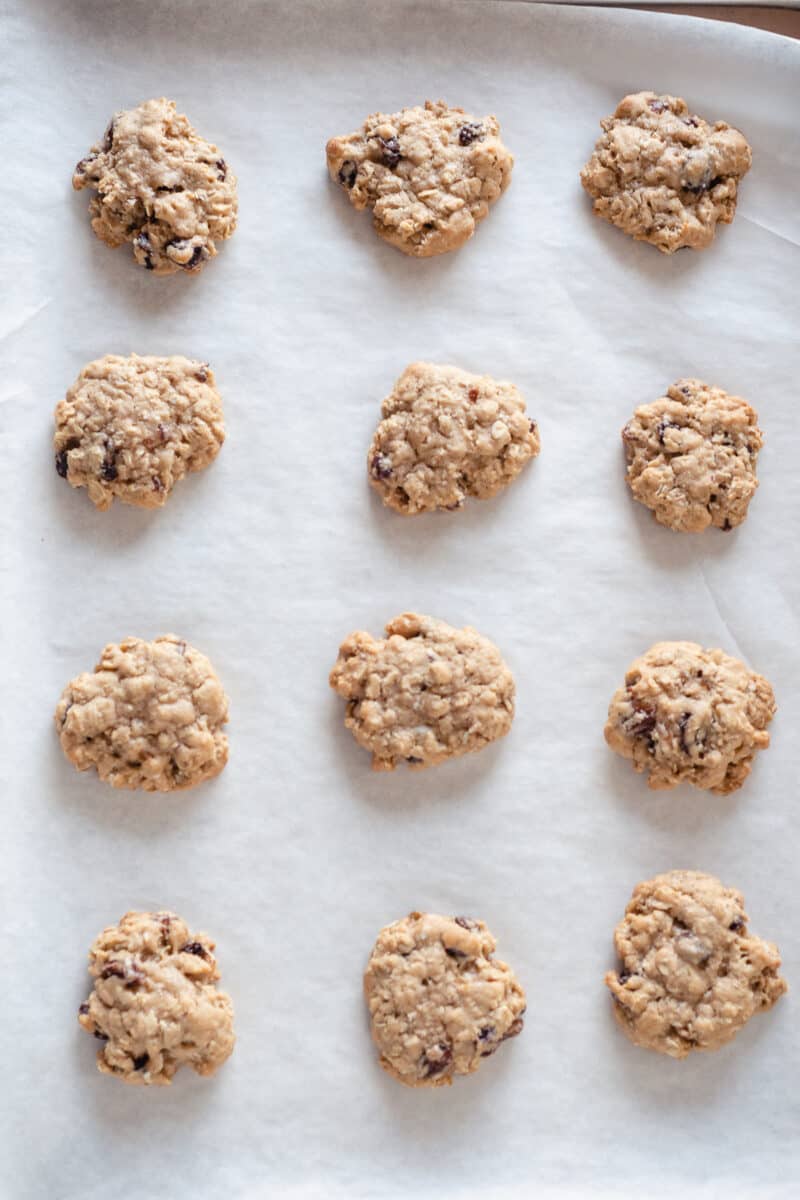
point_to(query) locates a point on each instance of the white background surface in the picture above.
(297, 855)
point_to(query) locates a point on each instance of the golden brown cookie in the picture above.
(447, 435)
(131, 428)
(425, 693)
(161, 187)
(438, 1001)
(689, 715)
(692, 457)
(691, 974)
(664, 175)
(149, 716)
(428, 175)
(155, 1005)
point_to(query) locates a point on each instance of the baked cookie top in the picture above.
(425, 693)
(131, 427)
(149, 716)
(429, 175)
(154, 1003)
(689, 715)
(438, 1001)
(691, 974)
(161, 187)
(692, 456)
(663, 174)
(447, 435)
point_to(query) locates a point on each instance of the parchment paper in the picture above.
(297, 855)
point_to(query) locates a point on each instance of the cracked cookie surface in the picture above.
(663, 174)
(438, 1001)
(161, 187)
(692, 457)
(428, 174)
(426, 693)
(149, 716)
(154, 1004)
(129, 428)
(689, 715)
(447, 435)
(691, 974)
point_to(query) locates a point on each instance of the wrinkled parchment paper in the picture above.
(297, 855)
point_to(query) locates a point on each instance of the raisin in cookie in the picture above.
(438, 1001)
(149, 716)
(664, 175)
(131, 427)
(689, 715)
(161, 187)
(429, 175)
(425, 693)
(446, 435)
(691, 974)
(155, 1006)
(692, 457)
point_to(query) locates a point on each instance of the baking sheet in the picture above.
(297, 855)
(697, 4)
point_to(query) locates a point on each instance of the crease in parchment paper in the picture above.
(13, 324)
(732, 642)
(760, 224)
